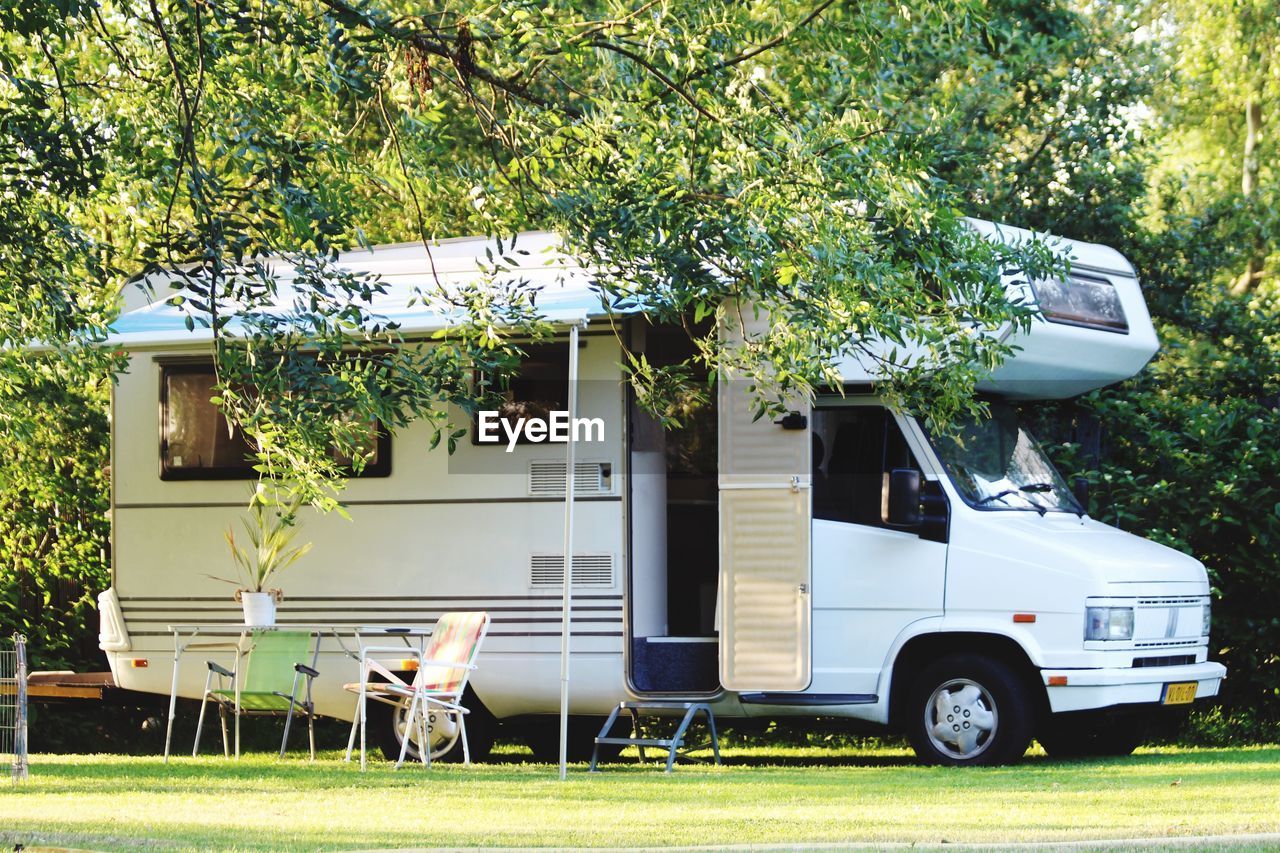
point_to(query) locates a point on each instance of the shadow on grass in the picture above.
(1262, 755)
(261, 772)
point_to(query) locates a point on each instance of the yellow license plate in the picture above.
(1182, 693)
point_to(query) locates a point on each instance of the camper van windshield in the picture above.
(996, 464)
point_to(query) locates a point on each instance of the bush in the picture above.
(54, 513)
(1218, 726)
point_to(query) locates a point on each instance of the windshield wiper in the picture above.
(1038, 489)
(1031, 488)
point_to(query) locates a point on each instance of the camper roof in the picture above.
(1053, 360)
(410, 275)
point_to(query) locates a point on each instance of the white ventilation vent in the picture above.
(546, 477)
(547, 570)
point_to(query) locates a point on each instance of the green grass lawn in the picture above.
(780, 795)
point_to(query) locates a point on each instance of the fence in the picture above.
(13, 705)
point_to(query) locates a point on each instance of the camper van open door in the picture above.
(765, 583)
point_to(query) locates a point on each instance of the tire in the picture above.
(1084, 738)
(989, 719)
(387, 727)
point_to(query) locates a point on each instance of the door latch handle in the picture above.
(793, 421)
(803, 589)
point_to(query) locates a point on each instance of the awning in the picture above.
(562, 290)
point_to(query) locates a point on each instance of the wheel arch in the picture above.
(923, 649)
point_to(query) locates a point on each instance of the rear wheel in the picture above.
(969, 710)
(390, 725)
(1084, 737)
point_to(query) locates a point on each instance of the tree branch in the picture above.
(762, 48)
(657, 73)
(439, 46)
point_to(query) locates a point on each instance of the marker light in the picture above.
(1207, 616)
(1108, 623)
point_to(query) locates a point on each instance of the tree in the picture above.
(54, 511)
(1226, 87)
(695, 154)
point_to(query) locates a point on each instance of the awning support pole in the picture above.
(568, 551)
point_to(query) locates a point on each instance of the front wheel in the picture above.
(969, 710)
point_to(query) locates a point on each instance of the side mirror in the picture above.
(904, 497)
(1080, 490)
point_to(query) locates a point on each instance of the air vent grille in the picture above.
(593, 570)
(546, 477)
(1170, 660)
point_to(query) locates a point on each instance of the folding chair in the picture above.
(264, 682)
(444, 667)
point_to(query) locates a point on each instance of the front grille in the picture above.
(1168, 660)
(1169, 643)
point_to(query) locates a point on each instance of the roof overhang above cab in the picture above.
(1054, 359)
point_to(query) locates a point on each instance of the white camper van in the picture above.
(841, 563)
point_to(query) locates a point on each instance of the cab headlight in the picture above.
(1108, 623)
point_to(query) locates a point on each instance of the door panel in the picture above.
(757, 451)
(869, 584)
(764, 477)
(870, 581)
(764, 577)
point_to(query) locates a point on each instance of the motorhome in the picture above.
(841, 562)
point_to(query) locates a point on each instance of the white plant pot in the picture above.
(259, 608)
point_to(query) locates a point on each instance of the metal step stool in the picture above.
(673, 744)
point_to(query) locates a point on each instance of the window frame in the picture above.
(479, 376)
(170, 366)
(891, 422)
(991, 506)
(1088, 279)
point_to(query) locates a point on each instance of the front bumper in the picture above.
(1091, 689)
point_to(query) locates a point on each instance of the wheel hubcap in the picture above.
(442, 732)
(961, 719)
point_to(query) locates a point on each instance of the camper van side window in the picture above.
(197, 443)
(540, 387)
(854, 450)
(1079, 300)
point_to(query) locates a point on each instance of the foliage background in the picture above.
(136, 137)
(54, 517)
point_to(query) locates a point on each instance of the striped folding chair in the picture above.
(444, 666)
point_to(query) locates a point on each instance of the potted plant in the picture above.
(270, 530)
